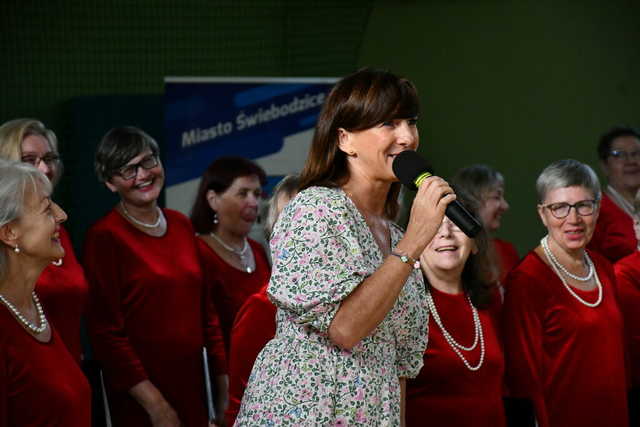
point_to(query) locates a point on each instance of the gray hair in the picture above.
(120, 145)
(567, 173)
(16, 180)
(477, 179)
(288, 187)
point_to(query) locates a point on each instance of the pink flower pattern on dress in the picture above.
(323, 250)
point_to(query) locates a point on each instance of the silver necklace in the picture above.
(34, 328)
(457, 347)
(245, 259)
(140, 223)
(571, 291)
(544, 242)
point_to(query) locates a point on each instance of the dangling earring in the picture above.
(215, 218)
(16, 249)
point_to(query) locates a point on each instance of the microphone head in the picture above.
(408, 166)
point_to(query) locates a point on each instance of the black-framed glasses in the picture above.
(128, 172)
(50, 159)
(625, 155)
(562, 209)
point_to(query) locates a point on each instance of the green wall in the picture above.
(83, 67)
(514, 84)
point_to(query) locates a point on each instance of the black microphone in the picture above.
(411, 169)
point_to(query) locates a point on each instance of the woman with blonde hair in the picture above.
(62, 286)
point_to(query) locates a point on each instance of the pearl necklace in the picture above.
(479, 338)
(34, 328)
(245, 258)
(568, 287)
(140, 223)
(553, 260)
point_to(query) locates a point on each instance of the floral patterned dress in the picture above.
(323, 250)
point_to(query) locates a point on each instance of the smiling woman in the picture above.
(35, 365)
(351, 306)
(561, 320)
(225, 209)
(143, 266)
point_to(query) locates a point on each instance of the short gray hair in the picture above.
(567, 173)
(119, 146)
(16, 180)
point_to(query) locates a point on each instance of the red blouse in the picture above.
(149, 318)
(566, 357)
(40, 383)
(231, 287)
(255, 325)
(614, 236)
(64, 293)
(628, 276)
(446, 392)
(508, 257)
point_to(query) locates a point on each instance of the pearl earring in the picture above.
(16, 249)
(215, 218)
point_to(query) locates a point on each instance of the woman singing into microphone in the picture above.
(351, 317)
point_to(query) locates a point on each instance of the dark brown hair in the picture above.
(218, 177)
(357, 102)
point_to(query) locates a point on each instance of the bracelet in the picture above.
(407, 260)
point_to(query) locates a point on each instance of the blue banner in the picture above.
(268, 120)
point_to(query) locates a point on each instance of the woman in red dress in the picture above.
(486, 185)
(562, 326)
(149, 317)
(225, 209)
(461, 382)
(40, 382)
(628, 277)
(255, 323)
(62, 286)
(618, 228)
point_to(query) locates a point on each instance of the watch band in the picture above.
(407, 260)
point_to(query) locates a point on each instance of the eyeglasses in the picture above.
(128, 172)
(561, 210)
(625, 155)
(49, 159)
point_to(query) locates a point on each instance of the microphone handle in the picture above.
(463, 219)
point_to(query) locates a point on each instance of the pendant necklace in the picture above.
(243, 254)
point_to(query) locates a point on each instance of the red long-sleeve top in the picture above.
(508, 256)
(445, 392)
(150, 316)
(230, 287)
(566, 357)
(628, 277)
(614, 236)
(255, 325)
(40, 383)
(64, 294)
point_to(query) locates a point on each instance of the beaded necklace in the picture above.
(457, 347)
(32, 327)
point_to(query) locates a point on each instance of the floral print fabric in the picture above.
(323, 250)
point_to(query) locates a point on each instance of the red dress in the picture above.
(64, 293)
(566, 357)
(614, 236)
(255, 325)
(628, 276)
(149, 318)
(446, 392)
(508, 256)
(231, 287)
(40, 383)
